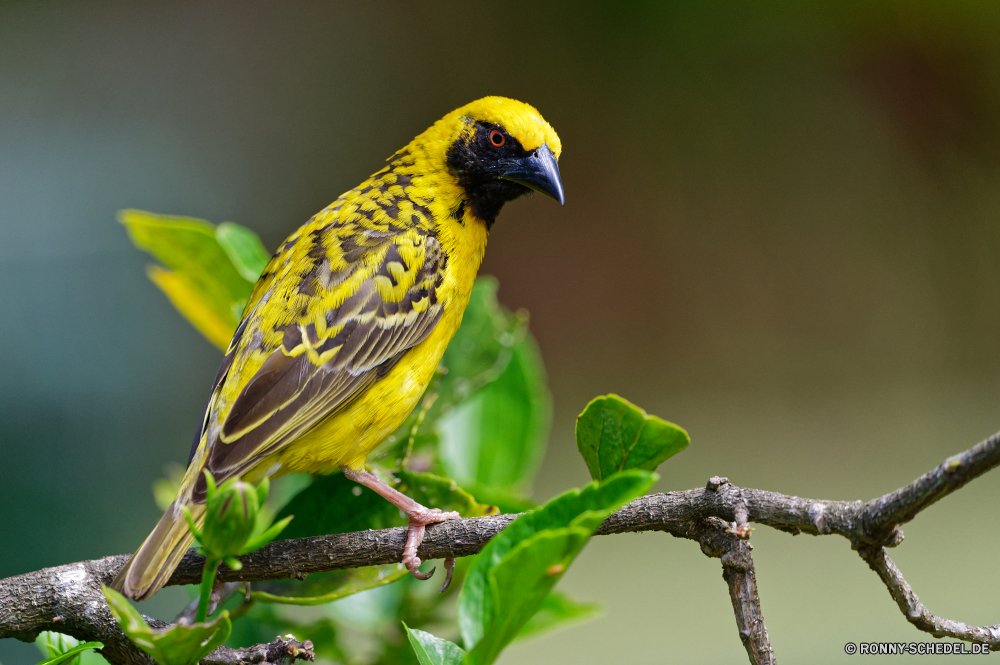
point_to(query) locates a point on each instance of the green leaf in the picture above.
(72, 656)
(266, 536)
(613, 435)
(519, 583)
(433, 650)
(358, 579)
(51, 643)
(244, 249)
(201, 280)
(482, 346)
(516, 571)
(496, 439)
(505, 501)
(556, 611)
(444, 493)
(194, 305)
(180, 644)
(335, 504)
(62, 649)
(477, 355)
(323, 588)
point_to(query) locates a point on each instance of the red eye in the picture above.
(497, 138)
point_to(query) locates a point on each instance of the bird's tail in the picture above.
(155, 560)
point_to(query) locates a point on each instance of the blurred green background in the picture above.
(782, 231)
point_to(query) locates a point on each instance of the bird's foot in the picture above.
(419, 519)
(420, 516)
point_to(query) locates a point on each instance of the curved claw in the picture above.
(422, 576)
(420, 516)
(449, 569)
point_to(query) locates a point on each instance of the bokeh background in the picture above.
(782, 231)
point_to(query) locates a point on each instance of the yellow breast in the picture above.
(347, 436)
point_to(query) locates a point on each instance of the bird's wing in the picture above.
(335, 309)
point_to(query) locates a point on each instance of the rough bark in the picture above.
(68, 599)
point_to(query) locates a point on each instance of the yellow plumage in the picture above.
(351, 316)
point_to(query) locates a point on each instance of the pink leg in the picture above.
(419, 515)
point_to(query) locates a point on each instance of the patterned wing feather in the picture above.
(356, 313)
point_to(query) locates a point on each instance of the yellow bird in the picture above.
(349, 320)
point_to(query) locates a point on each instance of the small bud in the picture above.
(230, 517)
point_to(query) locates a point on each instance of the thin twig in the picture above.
(280, 651)
(920, 616)
(717, 540)
(730, 543)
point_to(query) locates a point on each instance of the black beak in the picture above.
(538, 171)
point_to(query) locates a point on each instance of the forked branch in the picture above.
(67, 598)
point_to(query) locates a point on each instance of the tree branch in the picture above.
(67, 598)
(279, 651)
(721, 540)
(914, 610)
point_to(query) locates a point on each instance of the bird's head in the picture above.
(500, 149)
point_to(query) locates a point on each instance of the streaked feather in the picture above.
(345, 327)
